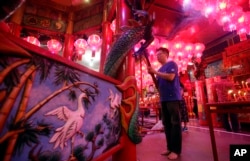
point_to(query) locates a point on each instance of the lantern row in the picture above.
(54, 46)
(228, 13)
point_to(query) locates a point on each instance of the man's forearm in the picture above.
(167, 76)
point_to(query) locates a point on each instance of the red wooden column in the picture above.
(130, 64)
(107, 35)
(128, 152)
(69, 38)
(123, 14)
(201, 102)
(16, 20)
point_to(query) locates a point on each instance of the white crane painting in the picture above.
(73, 123)
(115, 103)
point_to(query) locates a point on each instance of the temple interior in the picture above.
(75, 86)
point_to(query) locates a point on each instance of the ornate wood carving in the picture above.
(236, 58)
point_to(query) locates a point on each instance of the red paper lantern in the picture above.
(230, 27)
(177, 45)
(222, 5)
(54, 46)
(166, 44)
(223, 17)
(80, 45)
(189, 47)
(199, 47)
(33, 40)
(180, 53)
(198, 55)
(94, 41)
(189, 56)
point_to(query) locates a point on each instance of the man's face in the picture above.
(161, 57)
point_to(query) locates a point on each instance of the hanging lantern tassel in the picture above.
(79, 56)
(93, 53)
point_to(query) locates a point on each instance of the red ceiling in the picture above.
(174, 23)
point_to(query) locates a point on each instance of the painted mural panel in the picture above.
(52, 112)
(215, 69)
(44, 23)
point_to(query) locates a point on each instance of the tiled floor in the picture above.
(196, 144)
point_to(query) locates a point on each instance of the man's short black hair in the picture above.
(164, 50)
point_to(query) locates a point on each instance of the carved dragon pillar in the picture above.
(123, 14)
(129, 91)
